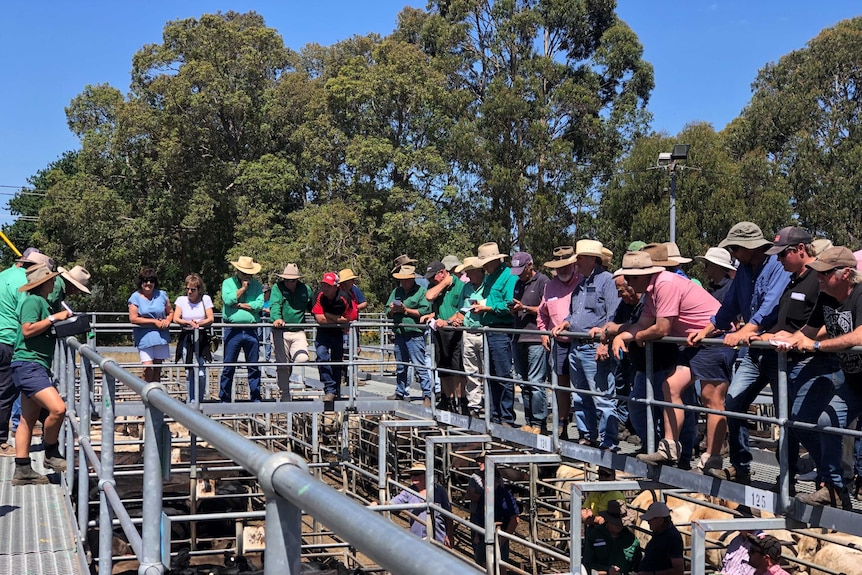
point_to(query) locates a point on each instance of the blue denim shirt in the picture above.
(754, 295)
(594, 301)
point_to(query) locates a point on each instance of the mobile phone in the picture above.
(473, 301)
(397, 303)
(511, 304)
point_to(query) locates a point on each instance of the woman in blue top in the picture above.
(150, 311)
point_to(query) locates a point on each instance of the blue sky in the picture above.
(705, 54)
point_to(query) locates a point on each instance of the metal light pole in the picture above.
(669, 159)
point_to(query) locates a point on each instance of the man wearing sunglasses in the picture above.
(835, 324)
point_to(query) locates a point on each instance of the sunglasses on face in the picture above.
(827, 272)
(150, 281)
(191, 289)
(783, 254)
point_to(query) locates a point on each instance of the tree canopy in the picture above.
(523, 122)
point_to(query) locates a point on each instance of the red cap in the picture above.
(330, 278)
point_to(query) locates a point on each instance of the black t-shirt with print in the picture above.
(840, 318)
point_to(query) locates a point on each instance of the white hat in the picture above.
(718, 256)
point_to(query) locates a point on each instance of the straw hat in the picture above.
(291, 272)
(36, 276)
(405, 273)
(346, 275)
(658, 255)
(638, 264)
(607, 256)
(77, 276)
(401, 260)
(488, 252)
(416, 468)
(673, 253)
(34, 256)
(468, 264)
(247, 265)
(589, 248)
(563, 256)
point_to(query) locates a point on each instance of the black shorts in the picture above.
(709, 363)
(447, 349)
(30, 377)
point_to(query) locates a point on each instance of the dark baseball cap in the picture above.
(789, 236)
(520, 261)
(433, 269)
(766, 544)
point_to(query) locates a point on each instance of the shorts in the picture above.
(559, 357)
(447, 350)
(30, 377)
(154, 352)
(711, 363)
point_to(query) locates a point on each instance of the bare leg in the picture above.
(152, 373)
(673, 387)
(712, 394)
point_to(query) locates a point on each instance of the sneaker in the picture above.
(829, 495)
(7, 450)
(706, 462)
(731, 473)
(329, 397)
(395, 397)
(667, 452)
(24, 475)
(56, 463)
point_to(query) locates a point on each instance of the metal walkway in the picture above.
(36, 536)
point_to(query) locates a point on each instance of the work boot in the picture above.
(329, 397)
(706, 462)
(395, 397)
(7, 450)
(443, 404)
(53, 459)
(829, 495)
(857, 488)
(731, 473)
(464, 406)
(667, 452)
(24, 474)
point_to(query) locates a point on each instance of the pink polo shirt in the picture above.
(554, 307)
(686, 303)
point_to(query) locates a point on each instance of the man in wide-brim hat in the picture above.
(405, 306)
(553, 310)
(78, 277)
(594, 301)
(31, 373)
(499, 285)
(676, 307)
(289, 301)
(754, 295)
(243, 299)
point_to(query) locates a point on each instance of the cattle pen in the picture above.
(155, 484)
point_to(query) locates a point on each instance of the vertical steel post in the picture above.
(69, 356)
(698, 549)
(490, 528)
(106, 532)
(672, 168)
(83, 466)
(151, 560)
(576, 500)
(486, 383)
(283, 520)
(784, 473)
(650, 396)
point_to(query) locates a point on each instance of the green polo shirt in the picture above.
(414, 299)
(10, 280)
(471, 292)
(448, 303)
(253, 296)
(499, 289)
(39, 348)
(290, 306)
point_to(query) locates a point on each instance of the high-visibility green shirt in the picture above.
(39, 348)
(413, 299)
(10, 280)
(253, 296)
(290, 306)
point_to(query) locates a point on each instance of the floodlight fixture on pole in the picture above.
(669, 159)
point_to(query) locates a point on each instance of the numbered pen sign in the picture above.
(760, 499)
(444, 417)
(543, 442)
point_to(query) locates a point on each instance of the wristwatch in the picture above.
(51, 318)
(816, 346)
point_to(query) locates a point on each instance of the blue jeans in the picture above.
(329, 347)
(196, 378)
(756, 369)
(637, 411)
(531, 363)
(502, 392)
(264, 334)
(845, 406)
(411, 349)
(596, 415)
(236, 339)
